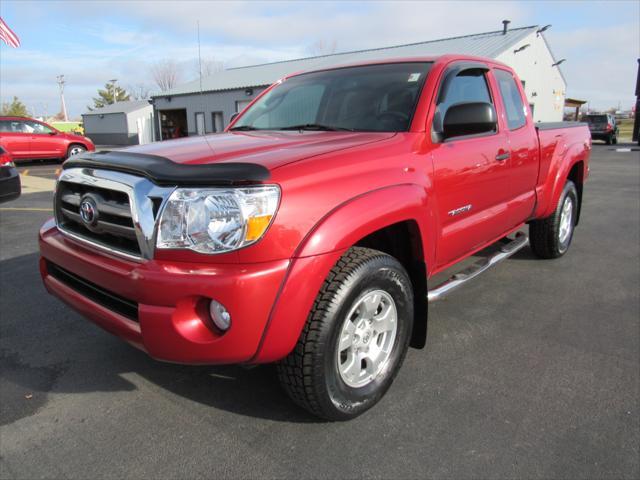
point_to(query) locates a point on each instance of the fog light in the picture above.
(219, 315)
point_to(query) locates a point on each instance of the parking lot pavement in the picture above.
(530, 371)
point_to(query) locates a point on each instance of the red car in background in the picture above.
(26, 138)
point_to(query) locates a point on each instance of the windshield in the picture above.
(596, 119)
(374, 98)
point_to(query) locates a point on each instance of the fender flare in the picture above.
(321, 248)
(565, 163)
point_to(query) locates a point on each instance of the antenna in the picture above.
(61, 82)
(199, 58)
(559, 62)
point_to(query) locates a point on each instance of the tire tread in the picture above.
(295, 370)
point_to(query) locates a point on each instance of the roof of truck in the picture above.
(489, 44)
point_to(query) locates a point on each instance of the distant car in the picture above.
(9, 179)
(603, 127)
(26, 138)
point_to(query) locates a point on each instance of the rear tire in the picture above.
(609, 140)
(355, 338)
(614, 139)
(75, 150)
(551, 236)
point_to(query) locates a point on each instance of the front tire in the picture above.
(551, 236)
(75, 150)
(355, 338)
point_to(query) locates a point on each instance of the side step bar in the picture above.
(459, 279)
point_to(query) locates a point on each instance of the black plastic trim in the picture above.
(163, 171)
(110, 300)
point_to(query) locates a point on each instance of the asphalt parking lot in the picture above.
(532, 371)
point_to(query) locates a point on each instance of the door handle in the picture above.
(503, 156)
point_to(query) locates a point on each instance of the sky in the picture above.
(92, 41)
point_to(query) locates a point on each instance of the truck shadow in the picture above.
(47, 348)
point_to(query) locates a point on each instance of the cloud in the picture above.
(127, 38)
(601, 64)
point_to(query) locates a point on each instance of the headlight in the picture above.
(217, 220)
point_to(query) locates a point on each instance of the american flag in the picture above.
(7, 35)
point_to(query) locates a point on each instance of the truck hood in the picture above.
(270, 149)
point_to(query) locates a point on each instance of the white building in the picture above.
(187, 110)
(122, 123)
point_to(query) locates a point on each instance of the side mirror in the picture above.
(469, 119)
(233, 117)
(53, 132)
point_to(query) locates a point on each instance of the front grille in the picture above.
(113, 227)
(125, 307)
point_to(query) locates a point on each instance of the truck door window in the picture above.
(468, 86)
(513, 104)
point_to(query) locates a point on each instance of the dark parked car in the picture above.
(603, 127)
(26, 138)
(9, 179)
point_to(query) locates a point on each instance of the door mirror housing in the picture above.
(233, 117)
(53, 132)
(469, 119)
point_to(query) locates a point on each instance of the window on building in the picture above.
(513, 104)
(200, 123)
(217, 122)
(241, 104)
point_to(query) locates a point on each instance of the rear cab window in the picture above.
(515, 109)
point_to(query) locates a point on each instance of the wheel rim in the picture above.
(76, 150)
(366, 338)
(566, 220)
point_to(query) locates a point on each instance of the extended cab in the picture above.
(27, 138)
(308, 232)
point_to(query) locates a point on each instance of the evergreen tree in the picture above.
(107, 95)
(14, 109)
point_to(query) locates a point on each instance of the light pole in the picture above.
(113, 85)
(60, 80)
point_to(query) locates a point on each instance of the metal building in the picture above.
(187, 110)
(122, 123)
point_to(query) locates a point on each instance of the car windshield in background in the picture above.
(596, 119)
(373, 98)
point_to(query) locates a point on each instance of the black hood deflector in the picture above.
(163, 171)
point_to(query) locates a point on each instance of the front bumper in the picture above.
(172, 321)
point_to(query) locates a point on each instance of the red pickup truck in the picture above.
(308, 232)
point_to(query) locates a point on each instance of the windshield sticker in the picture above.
(413, 77)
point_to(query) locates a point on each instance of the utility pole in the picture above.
(60, 79)
(113, 85)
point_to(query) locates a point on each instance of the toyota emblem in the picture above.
(88, 211)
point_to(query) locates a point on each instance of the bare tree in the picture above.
(139, 91)
(210, 66)
(322, 47)
(166, 74)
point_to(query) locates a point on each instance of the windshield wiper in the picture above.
(243, 128)
(316, 126)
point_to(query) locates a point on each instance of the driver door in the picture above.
(471, 175)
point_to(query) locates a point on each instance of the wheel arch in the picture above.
(371, 219)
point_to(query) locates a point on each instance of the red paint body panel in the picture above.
(337, 187)
(24, 145)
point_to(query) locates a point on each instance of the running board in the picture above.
(459, 279)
